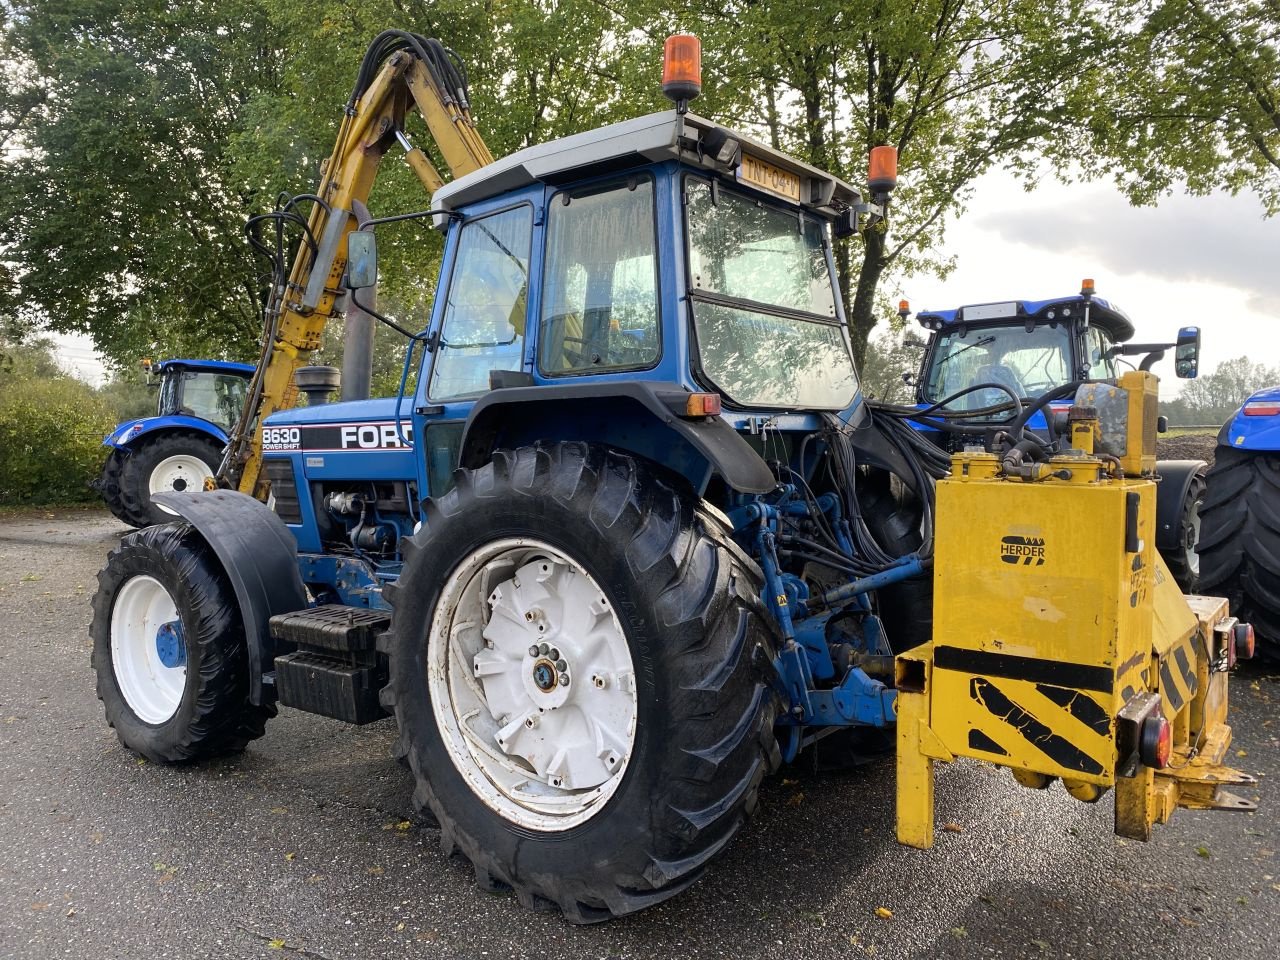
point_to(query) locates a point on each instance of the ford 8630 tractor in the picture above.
(609, 565)
(181, 446)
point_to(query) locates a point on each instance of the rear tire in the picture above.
(163, 709)
(690, 624)
(1240, 540)
(1183, 561)
(177, 461)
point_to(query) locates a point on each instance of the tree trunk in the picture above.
(862, 315)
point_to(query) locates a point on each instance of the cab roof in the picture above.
(211, 366)
(1102, 313)
(620, 146)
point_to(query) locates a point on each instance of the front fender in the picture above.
(260, 558)
(1254, 432)
(1171, 493)
(635, 415)
(128, 433)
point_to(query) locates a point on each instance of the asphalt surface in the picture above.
(306, 845)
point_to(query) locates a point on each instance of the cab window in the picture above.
(600, 290)
(484, 316)
(1097, 343)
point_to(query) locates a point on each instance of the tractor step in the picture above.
(328, 686)
(331, 627)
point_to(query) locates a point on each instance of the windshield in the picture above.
(764, 305)
(216, 397)
(1026, 362)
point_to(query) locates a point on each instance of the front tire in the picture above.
(170, 462)
(644, 764)
(1240, 540)
(109, 487)
(169, 649)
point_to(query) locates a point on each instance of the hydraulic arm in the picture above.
(400, 72)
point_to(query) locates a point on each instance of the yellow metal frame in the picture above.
(347, 176)
(1053, 611)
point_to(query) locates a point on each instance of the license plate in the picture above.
(765, 176)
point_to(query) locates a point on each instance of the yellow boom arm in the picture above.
(411, 73)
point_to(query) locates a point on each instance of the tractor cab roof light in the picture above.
(682, 69)
(1087, 287)
(882, 169)
(904, 309)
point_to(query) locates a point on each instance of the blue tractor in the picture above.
(1240, 518)
(181, 446)
(609, 565)
(988, 354)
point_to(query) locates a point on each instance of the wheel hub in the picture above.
(534, 694)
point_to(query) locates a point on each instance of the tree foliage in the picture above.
(1192, 96)
(1214, 397)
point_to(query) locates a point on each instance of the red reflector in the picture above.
(702, 405)
(1156, 744)
(1262, 408)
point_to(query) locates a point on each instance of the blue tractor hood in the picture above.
(379, 409)
(1256, 425)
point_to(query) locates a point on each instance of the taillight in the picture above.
(1262, 408)
(1155, 745)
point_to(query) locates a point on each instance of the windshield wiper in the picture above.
(982, 342)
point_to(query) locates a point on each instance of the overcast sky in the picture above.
(1207, 261)
(1211, 261)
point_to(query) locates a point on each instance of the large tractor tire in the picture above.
(580, 668)
(893, 516)
(169, 649)
(1182, 558)
(174, 461)
(109, 486)
(1240, 540)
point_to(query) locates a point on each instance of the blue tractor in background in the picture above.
(181, 446)
(1240, 518)
(985, 354)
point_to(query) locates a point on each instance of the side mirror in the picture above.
(1186, 356)
(362, 260)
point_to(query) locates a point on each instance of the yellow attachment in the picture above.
(1052, 611)
(347, 176)
(1144, 408)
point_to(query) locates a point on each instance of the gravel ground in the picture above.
(306, 845)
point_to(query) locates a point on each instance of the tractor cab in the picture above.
(604, 286)
(212, 390)
(986, 355)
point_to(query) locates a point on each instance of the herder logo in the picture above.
(1027, 551)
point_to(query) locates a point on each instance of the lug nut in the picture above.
(564, 679)
(543, 648)
(554, 654)
(562, 666)
(533, 650)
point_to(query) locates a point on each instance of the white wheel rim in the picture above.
(151, 690)
(543, 754)
(181, 473)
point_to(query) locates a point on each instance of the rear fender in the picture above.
(1171, 493)
(260, 558)
(126, 436)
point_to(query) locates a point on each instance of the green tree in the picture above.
(958, 86)
(1192, 97)
(1214, 397)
